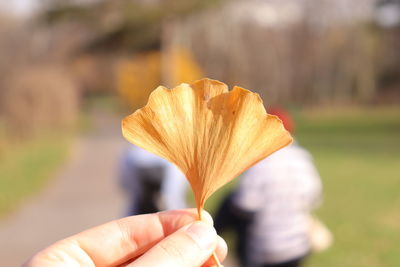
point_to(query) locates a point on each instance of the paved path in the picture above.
(83, 194)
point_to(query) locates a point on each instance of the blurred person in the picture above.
(151, 183)
(229, 217)
(170, 238)
(270, 208)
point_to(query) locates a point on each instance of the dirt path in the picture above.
(83, 194)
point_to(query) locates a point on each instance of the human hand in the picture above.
(169, 238)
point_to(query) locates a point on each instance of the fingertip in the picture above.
(203, 234)
(191, 245)
(206, 217)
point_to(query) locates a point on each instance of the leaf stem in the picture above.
(214, 255)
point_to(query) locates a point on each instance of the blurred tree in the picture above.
(138, 76)
(38, 99)
(303, 52)
(124, 35)
(179, 66)
(122, 25)
(37, 92)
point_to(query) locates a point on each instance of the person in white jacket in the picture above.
(272, 205)
(281, 191)
(151, 183)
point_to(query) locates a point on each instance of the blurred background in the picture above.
(70, 70)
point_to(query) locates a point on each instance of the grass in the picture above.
(358, 156)
(357, 153)
(25, 168)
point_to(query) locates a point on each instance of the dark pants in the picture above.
(230, 217)
(149, 180)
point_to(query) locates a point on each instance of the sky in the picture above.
(18, 7)
(28, 7)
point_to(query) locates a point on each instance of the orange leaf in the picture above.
(210, 133)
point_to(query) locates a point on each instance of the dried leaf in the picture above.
(210, 133)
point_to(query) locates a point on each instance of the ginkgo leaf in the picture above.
(212, 134)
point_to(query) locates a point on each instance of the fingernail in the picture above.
(203, 234)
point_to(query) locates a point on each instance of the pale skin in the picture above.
(170, 239)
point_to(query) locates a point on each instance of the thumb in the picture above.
(190, 246)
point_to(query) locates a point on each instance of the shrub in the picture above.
(35, 99)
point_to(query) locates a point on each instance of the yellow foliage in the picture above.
(136, 77)
(184, 67)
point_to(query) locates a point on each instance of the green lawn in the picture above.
(358, 156)
(24, 168)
